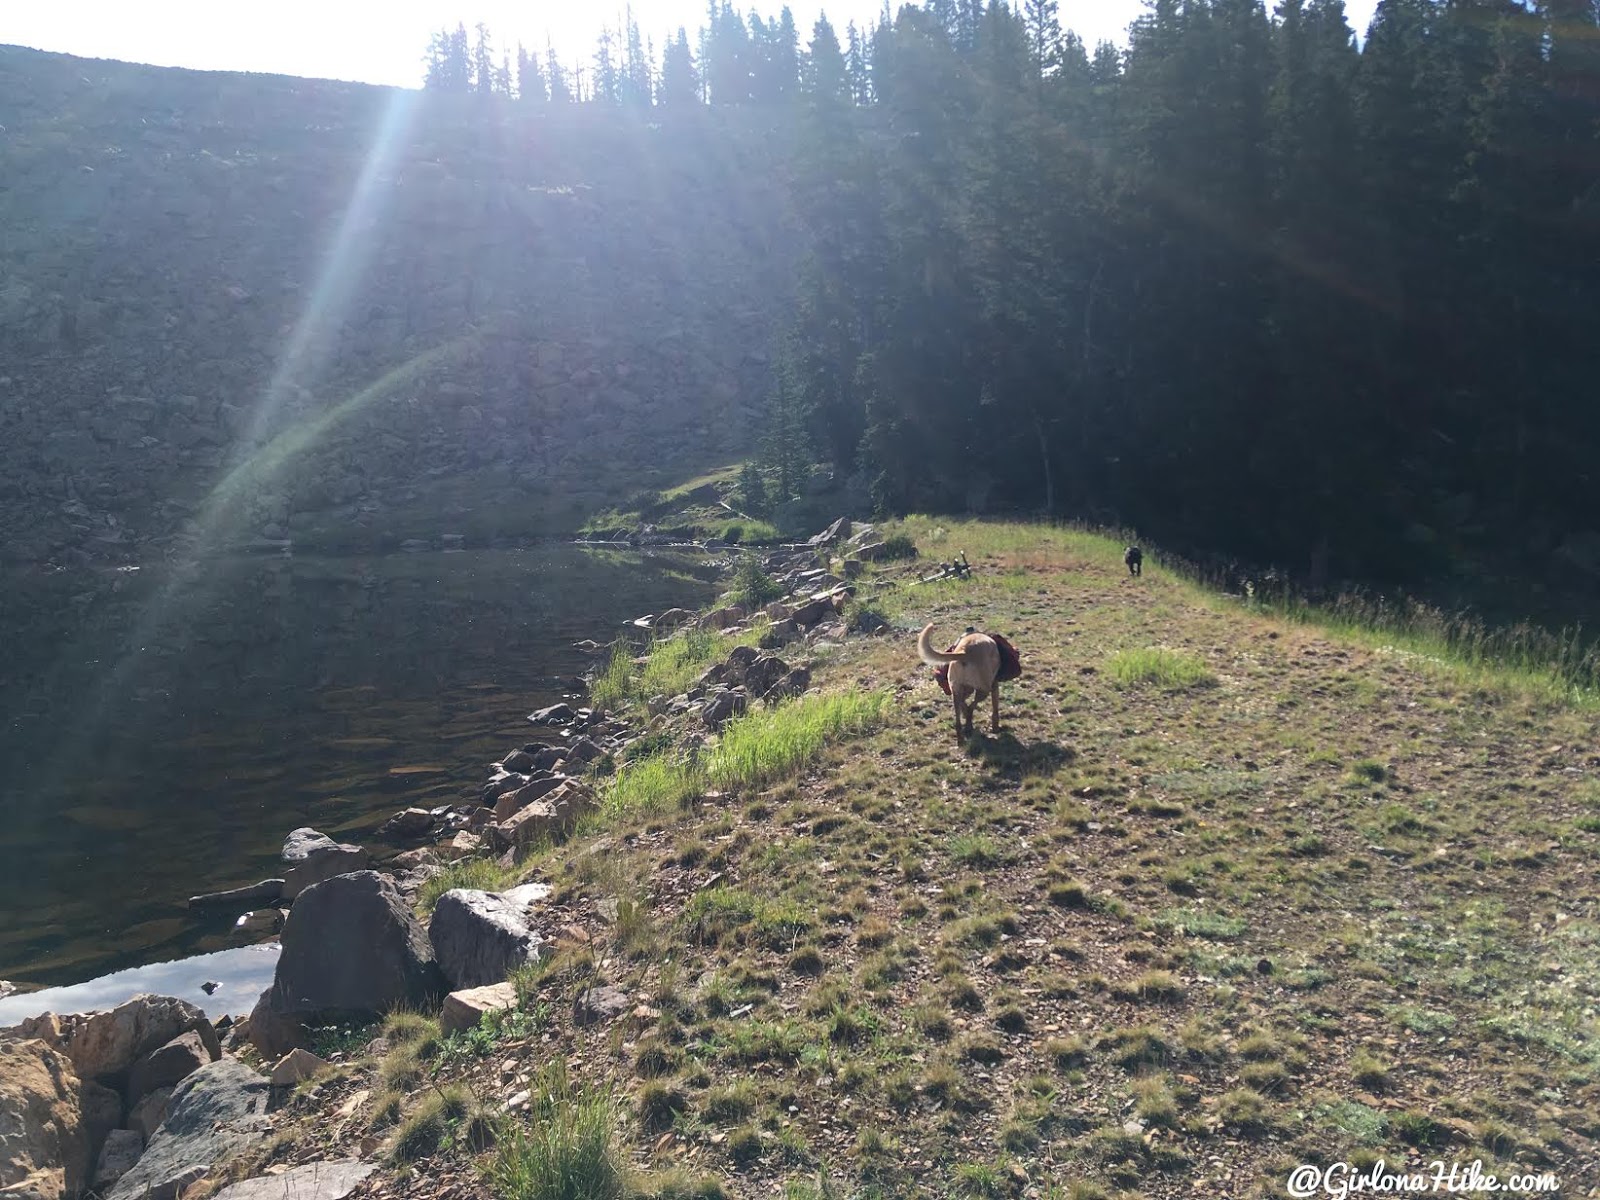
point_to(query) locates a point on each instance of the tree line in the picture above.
(1245, 283)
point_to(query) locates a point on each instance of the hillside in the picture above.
(400, 313)
(1226, 895)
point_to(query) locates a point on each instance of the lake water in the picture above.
(161, 730)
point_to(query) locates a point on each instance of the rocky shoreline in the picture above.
(150, 1097)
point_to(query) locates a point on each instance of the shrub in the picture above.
(753, 587)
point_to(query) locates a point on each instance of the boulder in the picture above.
(102, 1112)
(838, 531)
(104, 1044)
(309, 1181)
(599, 1004)
(510, 802)
(672, 619)
(294, 1067)
(584, 750)
(479, 938)
(303, 842)
(723, 706)
(780, 633)
(556, 714)
(352, 945)
(552, 817)
(465, 1008)
(812, 611)
(271, 1034)
(870, 551)
(148, 1114)
(779, 611)
(499, 785)
(464, 845)
(167, 1065)
(117, 1157)
(793, 684)
(407, 825)
(518, 760)
(213, 1115)
(723, 618)
(321, 862)
(763, 673)
(44, 1153)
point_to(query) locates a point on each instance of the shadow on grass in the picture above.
(1019, 759)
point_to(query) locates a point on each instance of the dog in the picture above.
(974, 670)
(1134, 558)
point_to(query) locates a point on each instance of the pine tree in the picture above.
(1044, 35)
(530, 77)
(483, 78)
(561, 89)
(680, 84)
(607, 76)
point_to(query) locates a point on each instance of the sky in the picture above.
(384, 43)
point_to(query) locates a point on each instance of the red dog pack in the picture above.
(1010, 663)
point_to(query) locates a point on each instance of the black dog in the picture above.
(1134, 557)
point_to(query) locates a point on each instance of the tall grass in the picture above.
(671, 665)
(764, 747)
(654, 784)
(1564, 661)
(567, 1151)
(483, 874)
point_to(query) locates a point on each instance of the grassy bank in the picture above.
(1228, 893)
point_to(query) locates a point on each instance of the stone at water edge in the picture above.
(322, 863)
(303, 842)
(352, 945)
(309, 1181)
(465, 1008)
(556, 714)
(118, 1156)
(45, 1151)
(268, 891)
(407, 823)
(108, 1043)
(214, 1114)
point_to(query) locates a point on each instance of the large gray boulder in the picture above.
(351, 945)
(309, 1181)
(313, 857)
(481, 937)
(214, 1114)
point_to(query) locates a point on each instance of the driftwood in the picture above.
(959, 569)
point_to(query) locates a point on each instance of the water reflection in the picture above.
(162, 730)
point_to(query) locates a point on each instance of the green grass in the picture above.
(657, 784)
(566, 1151)
(483, 874)
(1167, 669)
(671, 665)
(762, 748)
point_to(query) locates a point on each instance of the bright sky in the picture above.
(384, 43)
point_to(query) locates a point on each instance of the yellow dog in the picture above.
(974, 668)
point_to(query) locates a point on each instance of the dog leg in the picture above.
(994, 709)
(955, 698)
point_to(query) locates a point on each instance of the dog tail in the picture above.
(935, 658)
